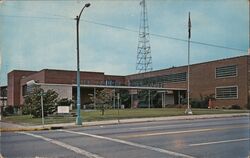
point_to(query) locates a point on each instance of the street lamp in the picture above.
(78, 118)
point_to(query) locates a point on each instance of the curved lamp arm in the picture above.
(86, 5)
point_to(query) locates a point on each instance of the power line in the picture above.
(18, 7)
(34, 17)
(164, 36)
(126, 29)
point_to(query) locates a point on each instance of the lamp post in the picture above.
(78, 118)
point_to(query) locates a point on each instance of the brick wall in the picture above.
(248, 80)
(203, 82)
(14, 78)
(48, 76)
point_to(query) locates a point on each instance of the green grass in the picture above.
(29, 120)
(95, 115)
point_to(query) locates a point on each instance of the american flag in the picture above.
(189, 26)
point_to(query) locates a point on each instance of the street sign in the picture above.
(63, 109)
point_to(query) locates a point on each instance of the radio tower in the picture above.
(144, 59)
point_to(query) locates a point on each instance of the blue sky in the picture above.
(35, 35)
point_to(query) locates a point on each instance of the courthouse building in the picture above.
(227, 80)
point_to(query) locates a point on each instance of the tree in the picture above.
(32, 102)
(143, 97)
(125, 97)
(103, 99)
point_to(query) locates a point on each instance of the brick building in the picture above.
(227, 80)
(3, 96)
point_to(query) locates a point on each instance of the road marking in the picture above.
(131, 144)
(180, 132)
(165, 133)
(160, 126)
(219, 142)
(67, 146)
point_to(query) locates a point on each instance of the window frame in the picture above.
(236, 74)
(161, 79)
(237, 92)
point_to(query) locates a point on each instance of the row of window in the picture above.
(178, 77)
(106, 82)
(220, 72)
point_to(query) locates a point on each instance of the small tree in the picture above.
(125, 97)
(32, 102)
(103, 99)
(143, 97)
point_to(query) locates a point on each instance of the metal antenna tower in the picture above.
(144, 59)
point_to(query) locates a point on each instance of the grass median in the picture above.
(95, 115)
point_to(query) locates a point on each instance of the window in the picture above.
(86, 82)
(179, 77)
(24, 90)
(110, 82)
(226, 71)
(171, 78)
(230, 92)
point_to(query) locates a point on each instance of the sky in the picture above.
(36, 35)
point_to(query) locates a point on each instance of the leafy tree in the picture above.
(125, 97)
(32, 102)
(103, 99)
(143, 97)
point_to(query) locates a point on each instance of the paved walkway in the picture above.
(4, 126)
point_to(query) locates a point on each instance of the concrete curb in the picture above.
(122, 121)
(22, 129)
(170, 118)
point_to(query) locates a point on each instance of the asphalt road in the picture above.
(206, 138)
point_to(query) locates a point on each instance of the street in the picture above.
(203, 138)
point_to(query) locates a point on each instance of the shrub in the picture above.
(64, 102)
(9, 110)
(26, 110)
(235, 107)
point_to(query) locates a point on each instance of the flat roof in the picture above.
(181, 66)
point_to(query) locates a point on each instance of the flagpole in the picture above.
(188, 110)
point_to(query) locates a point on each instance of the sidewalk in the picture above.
(5, 127)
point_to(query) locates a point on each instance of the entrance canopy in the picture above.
(130, 87)
(114, 87)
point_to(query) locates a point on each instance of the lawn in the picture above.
(95, 115)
